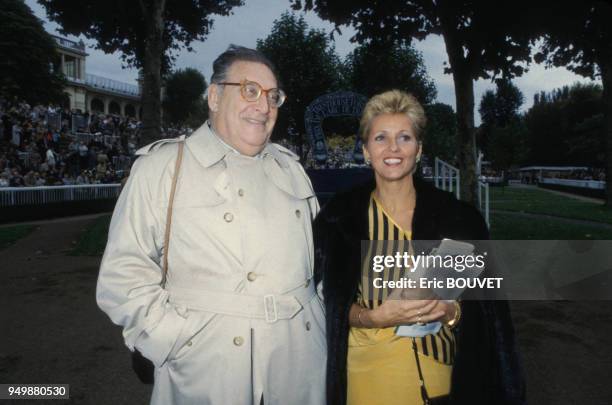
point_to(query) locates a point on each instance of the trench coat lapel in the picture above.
(277, 170)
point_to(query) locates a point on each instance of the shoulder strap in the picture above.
(177, 168)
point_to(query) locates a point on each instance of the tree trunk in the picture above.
(606, 79)
(466, 136)
(151, 87)
(464, 98)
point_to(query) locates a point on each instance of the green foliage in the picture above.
(376, 66)
(440, 138)
(483, 39)
(308, 65)
(28, 52)
(342, 125)
(147, 33)
(487, 34)
(501, 107)
(507, 145)
(577, 36)
(199, 115)
(566, 126)
(344, 142)
(502, 135)
(121, 26)
(184, 95)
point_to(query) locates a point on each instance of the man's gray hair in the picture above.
(236, 53)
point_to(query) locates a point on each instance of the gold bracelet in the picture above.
(453, 322)
(361, 324)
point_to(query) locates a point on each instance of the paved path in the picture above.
(53, 332)
(57, 220)
(52, 329)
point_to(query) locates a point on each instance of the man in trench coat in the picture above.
(238, 319)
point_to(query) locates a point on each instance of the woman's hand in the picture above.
(401, 312)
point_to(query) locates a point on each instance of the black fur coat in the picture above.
(486, 368)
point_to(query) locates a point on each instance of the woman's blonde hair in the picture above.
(393, 102)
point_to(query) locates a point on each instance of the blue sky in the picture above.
(254, 21)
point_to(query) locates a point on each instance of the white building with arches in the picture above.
(92, 93)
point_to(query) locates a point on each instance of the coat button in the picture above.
(238, 341)
(307, 283)
(189, 343)
(228, 217)
(307, 325)
(251, 276)
(241, 192)
(298, 213)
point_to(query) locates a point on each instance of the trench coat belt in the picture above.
(270, 307)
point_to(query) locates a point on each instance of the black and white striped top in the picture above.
(390, 238)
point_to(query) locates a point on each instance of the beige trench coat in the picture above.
(239, 316)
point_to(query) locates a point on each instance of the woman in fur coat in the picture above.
(471, 358)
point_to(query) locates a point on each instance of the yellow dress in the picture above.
(381, 367)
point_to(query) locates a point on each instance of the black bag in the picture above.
(142, 366)
(441, 400)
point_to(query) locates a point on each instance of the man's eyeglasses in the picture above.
(251, 91)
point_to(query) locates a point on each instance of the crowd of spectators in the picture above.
(533, 176)
(588, 174)
(48, 146)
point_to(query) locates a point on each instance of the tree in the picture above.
(376, 66)
(440, 134)
(501, 135)
(28, 54)
(184, 91)
(508, 145)
(148, 33)
(578, 37)
(502, 106)
(483, 39)
(566, 127)
(308, 65)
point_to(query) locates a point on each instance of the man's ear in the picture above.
(213, 97)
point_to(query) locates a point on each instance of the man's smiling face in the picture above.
(244, 125)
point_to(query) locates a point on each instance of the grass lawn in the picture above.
(510, 227)
(93, 241)
(11, 234)
(503, 226)
(543, 202)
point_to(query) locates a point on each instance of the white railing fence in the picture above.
(16, 196)
(483, 200)
(446, 177)
(86, 137)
